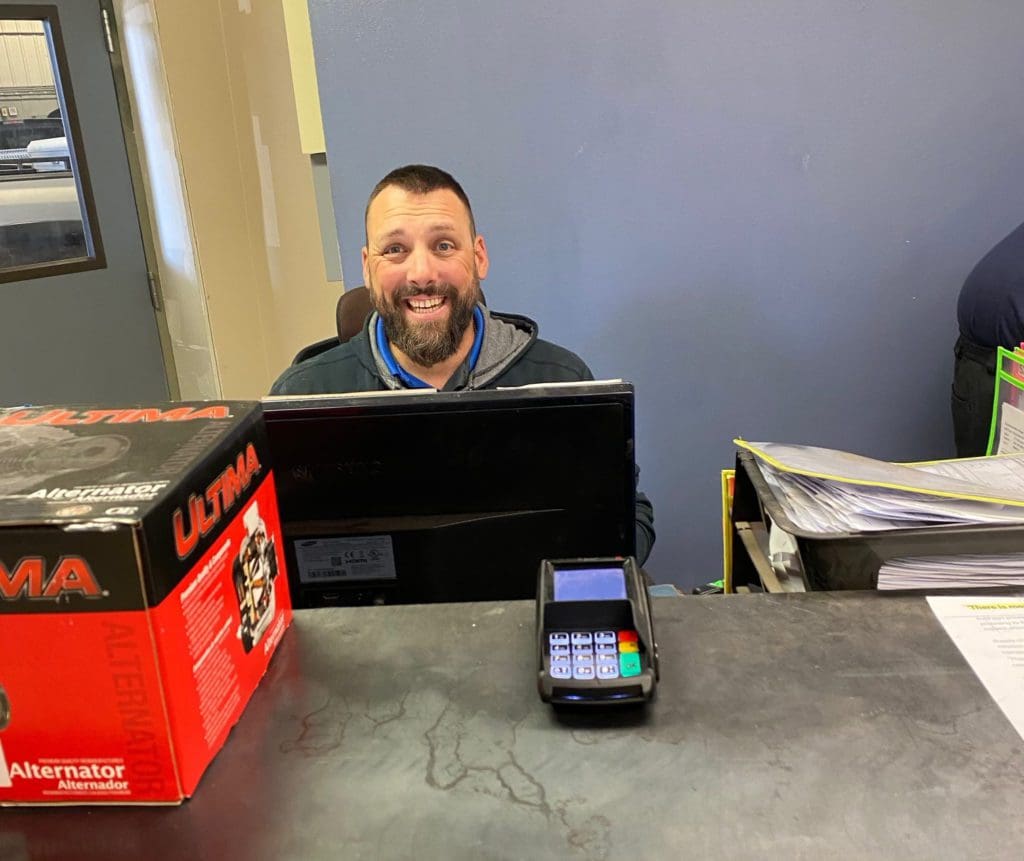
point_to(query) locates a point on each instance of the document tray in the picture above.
(846, 560)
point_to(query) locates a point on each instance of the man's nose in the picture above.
(420, 267)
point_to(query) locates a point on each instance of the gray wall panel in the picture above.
(759, 213)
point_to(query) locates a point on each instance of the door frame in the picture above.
(133, 149)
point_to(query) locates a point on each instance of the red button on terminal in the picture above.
(627, 637)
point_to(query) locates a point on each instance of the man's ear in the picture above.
(366, 271)
(480, 254)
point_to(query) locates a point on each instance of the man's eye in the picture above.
(445, 245)
(393, 249)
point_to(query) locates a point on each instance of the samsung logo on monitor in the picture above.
(349, 468)
(359, 468)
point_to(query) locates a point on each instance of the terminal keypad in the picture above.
(594, 654)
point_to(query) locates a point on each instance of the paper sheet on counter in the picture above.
(989, 632)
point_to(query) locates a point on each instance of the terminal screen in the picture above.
(589, 584)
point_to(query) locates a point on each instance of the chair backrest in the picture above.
(353, 306)
(349, 314)
(314, 349)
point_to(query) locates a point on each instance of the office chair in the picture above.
(350, 314)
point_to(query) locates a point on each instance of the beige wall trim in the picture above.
(300, 55)
(325, 214)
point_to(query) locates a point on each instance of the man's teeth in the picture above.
(427, 303)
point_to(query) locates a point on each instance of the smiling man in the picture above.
(423, 263)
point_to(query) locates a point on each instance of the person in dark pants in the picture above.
(990, 313)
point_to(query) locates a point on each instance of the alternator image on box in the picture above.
(255, 570)
(33, 454)
(140, 596)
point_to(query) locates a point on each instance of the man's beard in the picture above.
(431, 341)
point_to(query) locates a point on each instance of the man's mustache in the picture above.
(407, 291)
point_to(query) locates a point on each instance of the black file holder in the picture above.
(847, 560)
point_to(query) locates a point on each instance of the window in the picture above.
(47, 215)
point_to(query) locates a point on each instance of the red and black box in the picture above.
(142, 595)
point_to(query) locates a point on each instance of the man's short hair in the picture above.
(421, 179)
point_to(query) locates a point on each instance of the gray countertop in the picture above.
(796, 726)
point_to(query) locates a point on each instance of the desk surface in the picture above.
(800, 726)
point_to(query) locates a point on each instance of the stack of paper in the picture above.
(952, 572)
(827, 493)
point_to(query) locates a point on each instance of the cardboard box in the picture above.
(142, 594)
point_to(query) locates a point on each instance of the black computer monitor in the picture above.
(412, 497)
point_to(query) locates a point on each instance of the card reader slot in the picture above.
(575, 695)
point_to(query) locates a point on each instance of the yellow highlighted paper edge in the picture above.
(997, 500)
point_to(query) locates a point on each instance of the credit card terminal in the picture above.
(595, 636)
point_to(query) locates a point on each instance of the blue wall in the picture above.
(760, 213)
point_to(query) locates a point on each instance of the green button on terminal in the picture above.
(629, 664)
